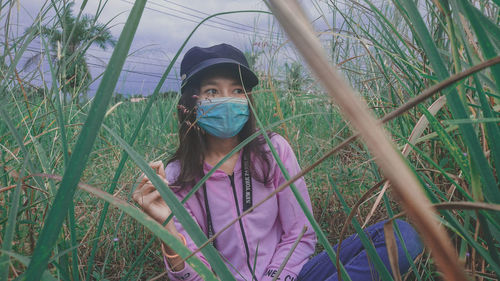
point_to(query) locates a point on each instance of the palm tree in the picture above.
(69, 40)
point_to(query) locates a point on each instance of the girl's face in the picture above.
(222, 104)
(220, 86)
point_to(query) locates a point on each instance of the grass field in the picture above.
(388, 52)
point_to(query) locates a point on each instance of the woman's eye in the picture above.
(239, 91)
(211, 92)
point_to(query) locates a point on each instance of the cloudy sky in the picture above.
(164, 26)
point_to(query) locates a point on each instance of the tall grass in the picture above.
(390, 53)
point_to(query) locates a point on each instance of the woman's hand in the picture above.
(151, 202)
(150, 199)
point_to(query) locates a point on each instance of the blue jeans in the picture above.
(355, 259)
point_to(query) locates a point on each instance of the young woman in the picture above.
(214, 118)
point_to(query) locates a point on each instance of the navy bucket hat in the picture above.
(198, 59)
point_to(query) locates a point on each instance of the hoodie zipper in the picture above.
(231, 178)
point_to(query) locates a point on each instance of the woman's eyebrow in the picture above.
(215, 83)
(209, 83)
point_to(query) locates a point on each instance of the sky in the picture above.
(163, 28)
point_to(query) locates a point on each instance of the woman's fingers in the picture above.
(156, 198)
(142, 197)
(158, 167)
(143, 180)
(143, 189)
(161, 171)
(146, 191)
(148, 188)
(154, 206)
(137, 195)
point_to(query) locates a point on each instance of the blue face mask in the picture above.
(223, 117)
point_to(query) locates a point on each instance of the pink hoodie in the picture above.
(268, 232)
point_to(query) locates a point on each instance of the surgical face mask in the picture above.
(223, 117)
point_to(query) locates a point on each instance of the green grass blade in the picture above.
(435, 165)
(492, 129)
(189, 224)
(456, 106)
(317, 229)
(11, 224)
(492, 29)
(73, 243)
(58, 109)
(481, 25)
(12, 67)
(59, 114)
(459, 229)
(157, 229)
(386, 34)
(13, 130)
(492, 247)
(448, 142)
(485, 120)
(83, 147)
(493, 138)
(25, 261)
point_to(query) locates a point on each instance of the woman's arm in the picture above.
(151, 202)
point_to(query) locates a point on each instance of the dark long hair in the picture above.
(193, 142)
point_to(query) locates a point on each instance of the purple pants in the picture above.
(355, 259)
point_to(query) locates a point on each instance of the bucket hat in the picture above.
(198, 59)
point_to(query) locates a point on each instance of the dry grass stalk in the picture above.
(417, 131)
(351, 215)
(406, 187)
(392, 248)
